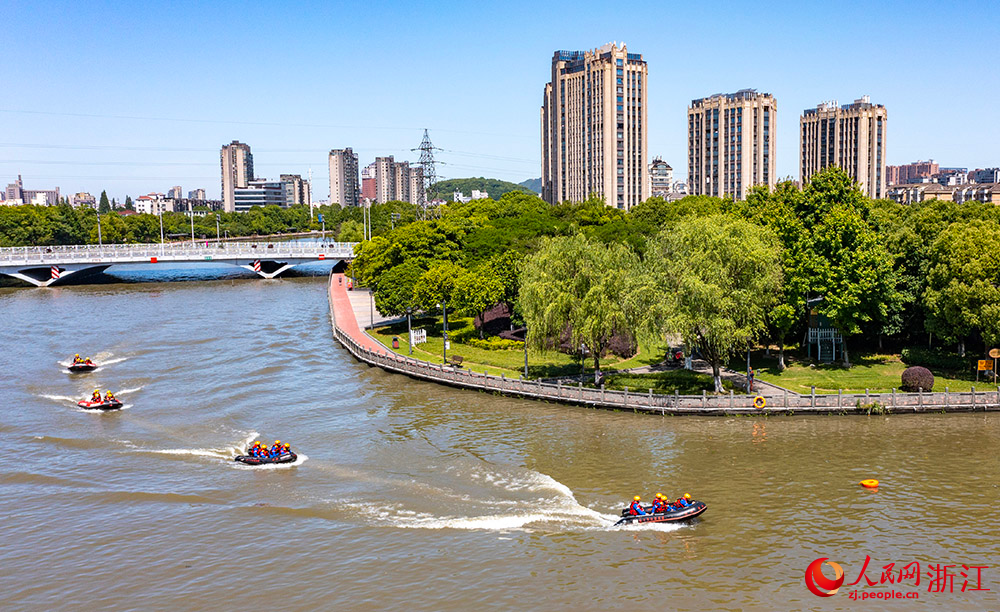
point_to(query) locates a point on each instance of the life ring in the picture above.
(869, 483)
(759, 402)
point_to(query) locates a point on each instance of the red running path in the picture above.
(344, 318)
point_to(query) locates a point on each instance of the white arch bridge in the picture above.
(45, 266)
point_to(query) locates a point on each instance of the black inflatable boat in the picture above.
(102, 405)
(84, 366)
(674, 514)
(283, 458)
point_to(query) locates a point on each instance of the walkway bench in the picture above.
(456, 361)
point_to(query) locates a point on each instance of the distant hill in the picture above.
(535, 185)
(445, 189)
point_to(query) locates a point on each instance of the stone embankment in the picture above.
(365, 348)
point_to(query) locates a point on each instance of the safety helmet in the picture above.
(277, 441)
(636, 498)
(659, 496)
(687, 496)
(77, 355)
(286, 446)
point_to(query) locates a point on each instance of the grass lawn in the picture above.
(875, 372)
(682, 381)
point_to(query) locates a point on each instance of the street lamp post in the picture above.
(444, 309)
(409, 329)
(371, 309)
(218, 234)
(100, 241)
(159, 210)
(191, 212)
(526, 352)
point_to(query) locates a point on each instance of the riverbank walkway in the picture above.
(344, 314)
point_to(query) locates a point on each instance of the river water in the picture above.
(412, 496)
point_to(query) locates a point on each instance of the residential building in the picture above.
(418, 192)
(385, 179)
(968, 192)
(661, 178)
(401, 181)
(594, 128)
(196, 194)
(175, 192)
(900, 175)
(152, 204)
(237, 172)
(368, 182)
(851, 136)
(82, 199)
(344, 189)
(297, 190)
(16, 194)
(724, 160)
(989, 175)
(458, 196)
(260, 192)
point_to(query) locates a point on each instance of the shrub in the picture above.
(933, 358)
(916, 378)
(495, 344)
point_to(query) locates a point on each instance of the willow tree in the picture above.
(581, 285)
(713, 280)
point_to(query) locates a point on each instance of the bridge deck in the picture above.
(179, 252)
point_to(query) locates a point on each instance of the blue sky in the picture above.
(135, 98)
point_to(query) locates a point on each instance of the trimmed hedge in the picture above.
(933, 358)
(917, 378)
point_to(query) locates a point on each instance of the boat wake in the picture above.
(127, 391)
(525, 501)
(59, 398)
(227, 452)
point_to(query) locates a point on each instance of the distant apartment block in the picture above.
(175, 192)
(594, 127)
(83, 199)
(908, 173)
(368, 182)
(196, 194)
(852, 137)
(661, 178)
(16, 194)
(344, 188)
(989, 175)
(398, 181)
(237, 172)
(968, 192)
(731, 143)
(297, 190)
(458, 196)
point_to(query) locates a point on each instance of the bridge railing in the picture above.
(645, 400)
(197, 250)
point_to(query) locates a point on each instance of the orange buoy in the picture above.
(869, 483)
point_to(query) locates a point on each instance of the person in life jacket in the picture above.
(683, 502)
(254, 450)
(77, 358)
(276, 448)
(109, 397)
(635, 508)
(96, 397)
(660, 504)
(285, 449)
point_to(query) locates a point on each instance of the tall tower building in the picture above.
(593, 122)
(297, 190)
(344, 188)
(731, 143)
(401, 180)
(385, 179)
(237, 172)
(418, 193)
(852, 137)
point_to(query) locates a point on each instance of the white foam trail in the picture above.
(105, 362)
(59, 398)
(127, 391)
(226, 452)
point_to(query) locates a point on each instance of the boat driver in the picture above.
(109, 397)
(77, 358)
(96, 397)
(660, 504)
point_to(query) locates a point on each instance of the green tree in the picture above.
(581, 284)
(395, 291)
(104, 206)
(437, 285)
(351, 231)
(128, 203)
(478, 290)
(713, 280)
(963, 283)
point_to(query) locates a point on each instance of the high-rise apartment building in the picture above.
(344, 189)
(401, 179)
(593, 123)
(731, 143)
(368, 182)
(297, 189)
(851, 136)
(418, 193)
(661, 178)
(385, 179)
(175, 192)
(196, 194)
(237, 172)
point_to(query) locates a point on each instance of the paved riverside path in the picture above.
(343, 308)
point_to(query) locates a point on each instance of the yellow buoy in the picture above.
(869, 483)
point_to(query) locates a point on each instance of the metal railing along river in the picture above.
(657, 403)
